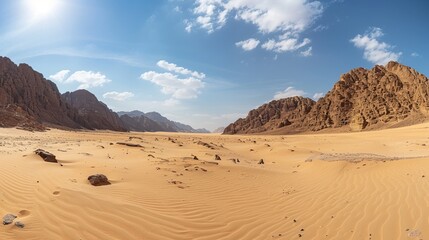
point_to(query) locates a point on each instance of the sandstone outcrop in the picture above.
(277, 114)
(384, 96)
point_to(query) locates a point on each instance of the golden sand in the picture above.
(368, 185)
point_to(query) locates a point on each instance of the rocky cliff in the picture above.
(284, 113)
(362, 99)
(37, 99)
(93, 113)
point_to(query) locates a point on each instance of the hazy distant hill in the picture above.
(153, 121)
(384, 96)
(219, 130)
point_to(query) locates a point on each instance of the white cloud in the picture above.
(188, 25)
(286, 45)
(307, 53)
(414, 54)
(171, 84)
(60, 76)
(290, 18)
(88, 79)
(248, 44)
(375, 51)
(118, 96)
(316, 96)
(177, 9)
(289, 92)
(174, 68)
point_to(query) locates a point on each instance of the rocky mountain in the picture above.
(167, 125)
(186, 128)
(153, 121)
(93, 114)
(140, 123)
(30, 101)
(277, 114)
(28, 98)
(384, 96)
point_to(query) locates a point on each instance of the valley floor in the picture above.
(369, 185)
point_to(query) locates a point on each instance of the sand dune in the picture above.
(369, 185)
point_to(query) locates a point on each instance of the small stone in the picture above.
(98, 180)
(20, 224)
(261, 161)
(8, 219)
(217, 157)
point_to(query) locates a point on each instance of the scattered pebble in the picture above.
(20, 224)
(8, 219)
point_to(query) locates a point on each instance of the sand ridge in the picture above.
(369, 185)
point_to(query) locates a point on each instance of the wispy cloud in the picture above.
(307, 53)
(248, 45)
(289, 92)
(375, 51)
(118, 96)
(317, 96)
(181, 70)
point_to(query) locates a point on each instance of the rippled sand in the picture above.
(370, 185)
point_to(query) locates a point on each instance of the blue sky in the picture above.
(208, 62)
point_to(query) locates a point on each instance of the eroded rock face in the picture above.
(362, 99)
(39, 98)
(93, 113)
(288, 112)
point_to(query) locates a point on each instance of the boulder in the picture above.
(98, 180)
(46, 156)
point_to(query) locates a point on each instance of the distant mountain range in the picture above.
(28, 100)
(384, 96)
(153, 121)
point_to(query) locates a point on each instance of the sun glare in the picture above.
(40, 9)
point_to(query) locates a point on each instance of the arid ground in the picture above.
(367, 185)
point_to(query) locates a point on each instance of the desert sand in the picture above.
(366, 185)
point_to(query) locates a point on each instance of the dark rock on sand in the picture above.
(8, 219)
(98, 180)
(46, 156)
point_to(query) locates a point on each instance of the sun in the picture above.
(40, 9)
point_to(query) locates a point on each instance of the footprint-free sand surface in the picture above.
(368, 185)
